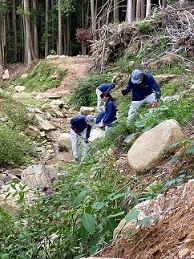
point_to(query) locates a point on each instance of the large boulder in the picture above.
(96, 133)
(149, 148)
(38, 176)
(64, 142)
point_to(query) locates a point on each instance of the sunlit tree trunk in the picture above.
(148, 7)
(130, 11)
(162, 3)
(138, 9)
(28, 39)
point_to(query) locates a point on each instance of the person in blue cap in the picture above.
(144, 89)
(80, 126)
(102, 88)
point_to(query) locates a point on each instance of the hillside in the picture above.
(170, 233)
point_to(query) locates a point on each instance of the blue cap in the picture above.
(136, 76)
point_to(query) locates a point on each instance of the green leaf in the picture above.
(144, 221)
(131, 136)
(120, 195)
(131, 215)
(80, 197)
(98, 205)
(115, 215)
(174, 159)
(190, 150)
(139, 124)
(88, 222)
(84, 235)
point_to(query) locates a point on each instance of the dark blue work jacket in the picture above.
(78, 123)
(110, 112)
(142, 90)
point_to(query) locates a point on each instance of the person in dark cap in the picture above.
(144, 89)
(102, 88)
(80, 126)
(109, 112)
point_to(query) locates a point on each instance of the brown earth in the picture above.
(171, 233)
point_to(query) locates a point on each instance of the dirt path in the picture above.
(77, 68)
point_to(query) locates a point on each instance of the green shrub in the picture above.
(76, 220)
(85, 92)
(170, 88)
(144, 26)
(15, 111)
(123, 63)
(15, 147)
(43, 77)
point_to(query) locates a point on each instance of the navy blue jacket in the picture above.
(110, 112)
(142, 90)
(105, 87)
(79, 124)
(100, 116)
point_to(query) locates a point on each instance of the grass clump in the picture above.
(144, 26)
(15, 147)
(15, 111)
(43, 77)
(85, 92)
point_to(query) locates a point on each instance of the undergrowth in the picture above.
(43, 77)
(88, 199)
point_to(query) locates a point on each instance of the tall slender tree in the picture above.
(28, 38)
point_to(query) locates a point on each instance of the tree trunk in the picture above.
(60, 50)
(28, 40)
(116, 11)
(1, 43)
(93, 18)
(36, 52)
(46, 29)
(109, 11)
(69, 52)
(143, 9)
(130, 13)
(138, 9)
(148, 7)
(162, 3)
(14, 31)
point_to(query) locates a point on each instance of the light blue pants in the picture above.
(135, 105)
(99, 100)
(74, 143)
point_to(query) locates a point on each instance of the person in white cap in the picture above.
(80, 126)
(144, 89)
